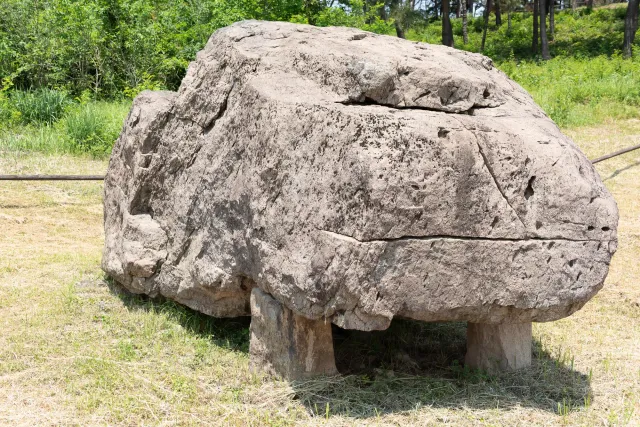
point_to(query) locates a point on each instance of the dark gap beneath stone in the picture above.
(407, 346)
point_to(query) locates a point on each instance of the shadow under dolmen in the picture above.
(410, 365)
(416, 364)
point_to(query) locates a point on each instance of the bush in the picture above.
(40, 106)
(7, 112)
(92, 128)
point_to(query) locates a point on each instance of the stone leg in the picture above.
(287, 345)
(500, 347)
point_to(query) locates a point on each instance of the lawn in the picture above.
(75, 350)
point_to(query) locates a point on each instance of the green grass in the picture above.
(93, 127)
(581, 92)
(39, 106)
(85, 128)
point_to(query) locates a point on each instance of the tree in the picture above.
(447, 32)
(487, 9)
(535, 37)
(543, 30)
(509, 6)
(312, 8)
(465, 31)
(552, 18)
(630, 28)
(398, 11)
(498, 14)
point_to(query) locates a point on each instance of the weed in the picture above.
(90, 128)
(40, 106)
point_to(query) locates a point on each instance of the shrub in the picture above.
(7, 112)
(40, 106)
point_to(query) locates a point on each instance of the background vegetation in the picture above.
(69, 68)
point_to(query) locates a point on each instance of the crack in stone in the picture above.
(185, 247)
(221, 111)
(491, 172)
(368, 102)
(495, 181)
(452, 237)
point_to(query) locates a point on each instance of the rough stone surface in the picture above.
(503, 347)
(286, 344)
(354, 177)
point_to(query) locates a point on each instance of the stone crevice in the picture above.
(495, 181)
(369, 101)
(453, 237)
(492, 173)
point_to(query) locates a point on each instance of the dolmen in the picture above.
(314, 176)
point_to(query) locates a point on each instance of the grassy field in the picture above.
(76, 351)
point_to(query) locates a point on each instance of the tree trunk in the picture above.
(574, 5)
(552, 18)
(630, 28)
(534, 38)
(509, 21)
(498, 14)
(465, 33)
(543, 30)
(486, 24)
(399, 30)
(589, 4)
(382, 12)
(447, 32)
(312, 8)
(396, 6)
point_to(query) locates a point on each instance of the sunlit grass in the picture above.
(88, 128)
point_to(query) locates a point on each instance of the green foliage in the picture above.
(39, 106)
(578, 35)
(356, 16)
(108, 45)
(7, 112)
(115, 48)
(93, 128)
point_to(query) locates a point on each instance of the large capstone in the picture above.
(354, 178)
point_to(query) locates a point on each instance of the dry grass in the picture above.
(75, 351)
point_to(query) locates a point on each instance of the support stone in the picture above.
(499, 347)
(287, 345)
